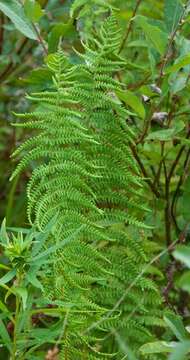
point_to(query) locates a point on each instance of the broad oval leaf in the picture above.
(157, 347)
(176, 325)
(133, 101)
(161, 135)
(182, 349)
(154, 34)
(58, 31)
(167, 134)
(184, 281)
(180, 63)
(182, 253)
(33, 10)
(173, 11)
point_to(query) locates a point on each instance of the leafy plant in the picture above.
(26, 258)
(103, 148)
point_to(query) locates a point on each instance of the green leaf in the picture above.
(183, 141)
(182, 349)
(179, 83)
(138, 43)
(18, 229)
(180, 63)
(4, 239)
(146, 90)
(154, 34)
(33, 10)
(22, 292)
(152, 62)
(9, 276)
(183, 206)
(188, 328)
(42, 336)
(176, 325)
(153, 270)
(133, 101)
(39, 79)
(132, 65)
(184, 281)
(58, 31)
(76, 5)
(5, 336)
(3, 308)
(161, 135)
(5, 311)
(4, 267)
(167, 134)
(182, 253)
(43, 236)
(52, 249)
(173, 11)
(14, 11)
(157, 347)
(31, 277)
(125, 348)
(178, 126)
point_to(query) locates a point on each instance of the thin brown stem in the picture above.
(167, 207)
(166, 57)
(177, 190)
(144, 172)
(158, 173)
(160, 77)
(176, 161)
(130, 26)
(1, 32)
(170, 271)
(172, 38)
(40, 39)
(10, 67)
(146, 126)
(172, 267)
(138, 84)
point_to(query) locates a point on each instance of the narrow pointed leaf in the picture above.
(4, 335)
(9, 276)
(14, 11)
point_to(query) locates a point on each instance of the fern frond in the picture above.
(84, 171)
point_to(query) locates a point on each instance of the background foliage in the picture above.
(154, 91)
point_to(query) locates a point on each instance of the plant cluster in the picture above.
(96, 267)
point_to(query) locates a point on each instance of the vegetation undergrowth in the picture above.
(95, 237)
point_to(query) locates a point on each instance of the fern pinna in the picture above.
(85, 174)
